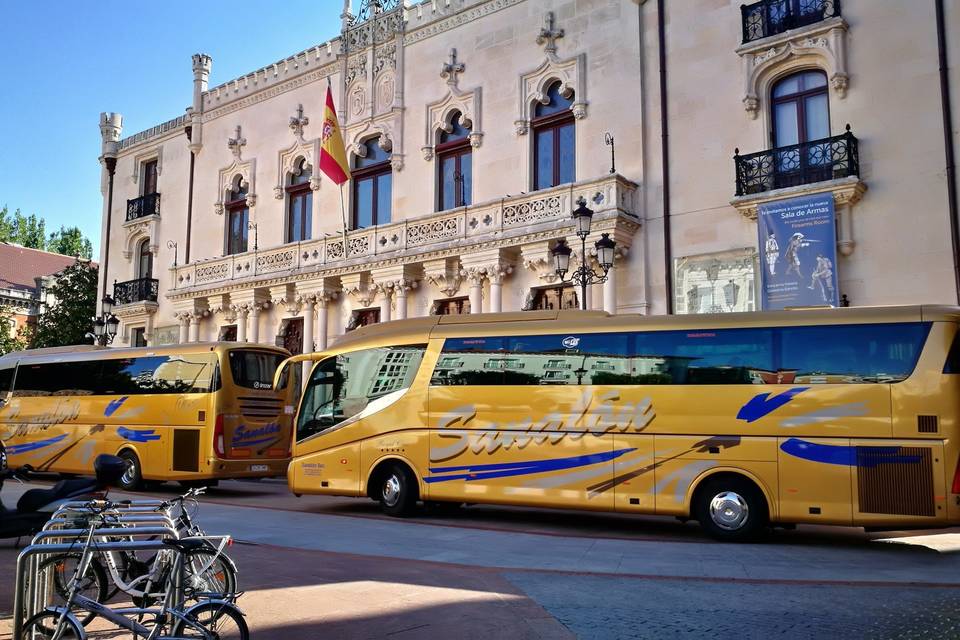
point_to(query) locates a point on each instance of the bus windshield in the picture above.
(254, 369)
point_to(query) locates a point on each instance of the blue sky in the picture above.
(66, 61)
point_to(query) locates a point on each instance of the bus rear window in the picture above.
(255, 369)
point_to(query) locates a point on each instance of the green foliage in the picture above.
(69, 320)
(70, 241)
(29, 231)
(8, 341)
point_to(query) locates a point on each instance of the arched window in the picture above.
(238, 217)
(372, 182)
(144, 259)
(554, 145)
(299, 203)
(801, 111)
(455, 165)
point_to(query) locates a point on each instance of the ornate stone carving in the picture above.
(298, 122)
(441, 112)
(356, 68)
(236, 144)
(549, 34)
(822, 45)
(386, 58)
(247, 172)
(572, 75)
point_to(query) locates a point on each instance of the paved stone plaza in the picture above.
(326, 567)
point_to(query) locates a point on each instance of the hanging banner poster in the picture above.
(798, 252)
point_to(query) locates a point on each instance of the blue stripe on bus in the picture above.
(33, 446)
(138, 435)
(502, 470)
(845, 454)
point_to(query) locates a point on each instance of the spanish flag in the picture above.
(333, 156)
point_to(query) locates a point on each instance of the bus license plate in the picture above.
(259, 467)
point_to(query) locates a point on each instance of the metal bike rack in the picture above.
(26, 604)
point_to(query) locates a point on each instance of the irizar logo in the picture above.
(571, 342)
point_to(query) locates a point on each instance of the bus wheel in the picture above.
(132, 478)
(397, 491)
(731, 508)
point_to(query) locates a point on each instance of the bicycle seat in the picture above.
(187, 544)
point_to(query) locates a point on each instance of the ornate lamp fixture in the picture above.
(584, 275)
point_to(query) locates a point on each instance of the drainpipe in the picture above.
(111, 124)
(193, 158)
(948, 142)
(665, 158)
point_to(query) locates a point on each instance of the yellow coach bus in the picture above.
(840, 416)
(195, 412)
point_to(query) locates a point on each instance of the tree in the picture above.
(29, 231)
(68, 321)
(8, 340)
(70, 241)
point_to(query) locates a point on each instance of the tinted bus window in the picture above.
(6, 380)
(255, 369)
(474, 361)
(120, 376)
(57, 379)
(703, 356)
(157, 374)
(346, 385)
(851, 353)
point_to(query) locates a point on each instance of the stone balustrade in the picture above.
(506, 220)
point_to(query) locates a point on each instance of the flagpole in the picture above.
(343, 218)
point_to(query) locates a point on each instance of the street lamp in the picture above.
(584, 275)
(106, 324)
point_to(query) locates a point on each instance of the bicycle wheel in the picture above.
(222, 620)
(93, 584)
(213, 577)
(46, 626)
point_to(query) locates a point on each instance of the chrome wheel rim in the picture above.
(729, 510)
(129, 476)
(391, 491)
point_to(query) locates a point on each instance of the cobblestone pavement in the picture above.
(600, 608)
(333, 568)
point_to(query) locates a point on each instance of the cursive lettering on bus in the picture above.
(590, 414)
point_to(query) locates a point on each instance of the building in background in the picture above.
(26, 276)
(473, 127)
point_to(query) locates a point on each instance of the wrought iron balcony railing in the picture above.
(770, 17)
(139, 290)
(145, 205)
(817, 161)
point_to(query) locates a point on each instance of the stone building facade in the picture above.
(474, 128)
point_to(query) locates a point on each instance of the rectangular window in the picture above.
(6, 381)
(237, 230)
(343, 386)
(456, 177)
(149, 178)
(254, 369)
(138, 337)
(851, 353)
(545, 159)
(872, 353)
(188, 373)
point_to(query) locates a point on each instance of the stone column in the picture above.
(476, 290)
(194, 328)
(401, 288)
(308, 340)
(184, 328)
(385, 303)
(610, 291)
(241, 323)
(322, 311)
(255, 323)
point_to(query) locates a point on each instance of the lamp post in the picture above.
(106, 324)
(584, 275)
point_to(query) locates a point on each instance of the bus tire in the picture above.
(396, 490)
(731, 508)
(132, 479)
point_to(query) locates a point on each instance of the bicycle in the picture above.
(210, 619)
(209, 572)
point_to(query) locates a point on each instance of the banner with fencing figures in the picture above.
(798, 252)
